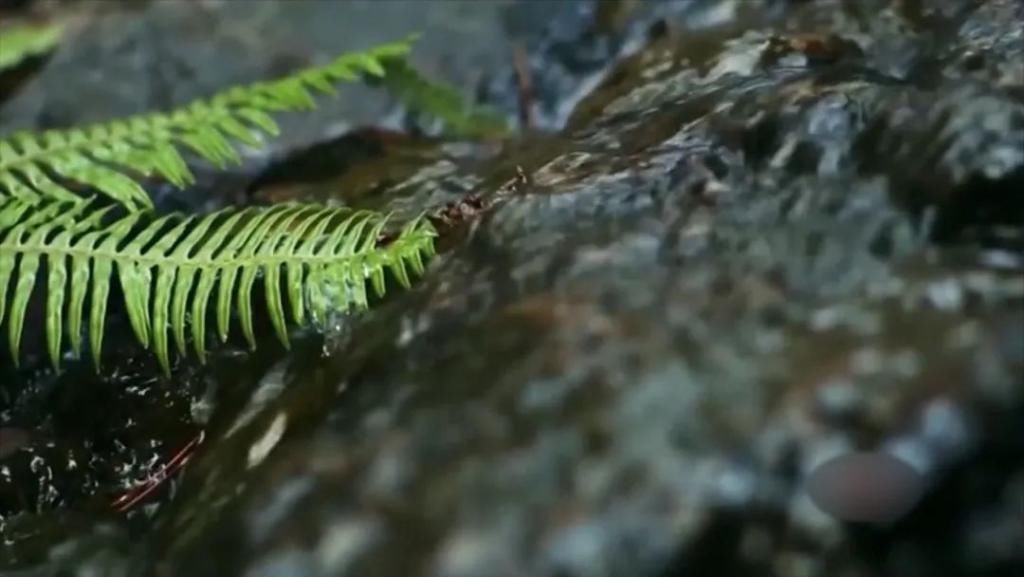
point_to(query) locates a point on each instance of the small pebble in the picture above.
(865, 487)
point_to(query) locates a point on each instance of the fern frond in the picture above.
(100, 155)
(18, 43)
(317, 259)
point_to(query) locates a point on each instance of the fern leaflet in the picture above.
(440, 100)
(169, 268)
(18, 43)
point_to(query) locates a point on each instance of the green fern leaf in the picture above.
(18, 43)
(169, 266)
(99, 156)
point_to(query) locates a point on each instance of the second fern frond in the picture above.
(98, 156)
(108, 157)
(315, 258)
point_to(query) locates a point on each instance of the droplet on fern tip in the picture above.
(865, 487)
(332, 295)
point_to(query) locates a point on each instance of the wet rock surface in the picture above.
(768, 235)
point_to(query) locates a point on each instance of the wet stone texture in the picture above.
(768, 235)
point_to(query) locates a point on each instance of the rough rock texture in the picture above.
(773, 233)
